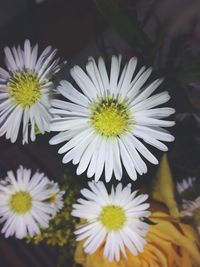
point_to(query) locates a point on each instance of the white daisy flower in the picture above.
(24, 203)
(191, 206)
(116, 220)
(25, 91)
(55, 196)
(185, 184)
(103, 123)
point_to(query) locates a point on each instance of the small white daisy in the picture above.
(116, 220)
(185, 184)
(24, 203)
(55, 196)
(103, 123)
(25, 91)
(191, 206)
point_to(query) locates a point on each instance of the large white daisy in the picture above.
(103, 123)
(26, 203)
(25, 90)
(115, 220)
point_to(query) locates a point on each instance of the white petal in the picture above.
(75, 141)
(143, 150)
(93, 72)
(103, 73)
(127, 161)
(155, 133)
(109, 161)
(87, 155)
(153, 122)
(137, 84)
(147, 91)
(63, 124)
(114, 73)
(101, 159)
(152, 101)
(116, 160)
(27, 54)
(84, 82)
(138, 162)
(125, 86)
(68, 91)
(10, 62)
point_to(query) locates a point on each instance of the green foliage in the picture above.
(61, 228)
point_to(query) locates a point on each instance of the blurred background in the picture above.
(164, 34)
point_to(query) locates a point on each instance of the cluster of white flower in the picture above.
(105, 124)
(102, 124)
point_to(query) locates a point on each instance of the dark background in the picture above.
(78, 30)
(70, 27)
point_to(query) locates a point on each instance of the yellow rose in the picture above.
(169, 244)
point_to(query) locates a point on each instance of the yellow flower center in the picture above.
(52, 198)
(110, 118)
(113, 217)
(24, 88)
(21, 202)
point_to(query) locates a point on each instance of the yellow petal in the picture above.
(167, 248)
(159, 254)
(189, 232)
(179, 239)
(185, 258)
(163, 188)
(80, 256)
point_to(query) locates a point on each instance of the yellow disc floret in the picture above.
(24, 88)
(110, 117)
(20, 202)
(113, 217)
(52, 198)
